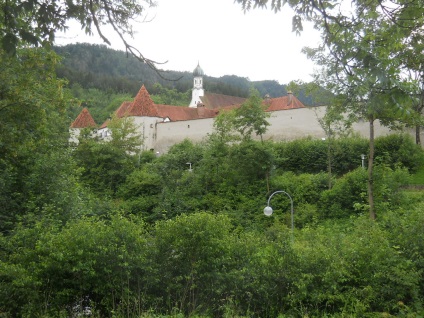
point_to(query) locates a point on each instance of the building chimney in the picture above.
(289, 98)
(200, 109)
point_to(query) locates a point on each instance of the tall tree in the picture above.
(251, 117)
(34, 164)
(413, 64)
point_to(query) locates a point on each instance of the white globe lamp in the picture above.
(268, 211)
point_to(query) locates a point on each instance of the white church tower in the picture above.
(198, 90)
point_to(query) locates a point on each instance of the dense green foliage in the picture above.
(100, 228)
(157, 237)
(36, 169)
(200, 264)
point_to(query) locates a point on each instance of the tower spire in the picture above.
(198, 90)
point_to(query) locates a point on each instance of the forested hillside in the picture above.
(97, 66)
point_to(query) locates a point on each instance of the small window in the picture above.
(188, 126)
(151, 125)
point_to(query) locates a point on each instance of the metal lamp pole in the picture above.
(268, 210)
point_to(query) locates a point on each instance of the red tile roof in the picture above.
(143, 105)
(104, 125)
(123, 109)
(178, 113)
(283, 103)
(84, 120)
(215, 101)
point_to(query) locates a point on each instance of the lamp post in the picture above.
(363, 160)
(268, 210)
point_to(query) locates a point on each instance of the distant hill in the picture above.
(93, 66)
(97, 66)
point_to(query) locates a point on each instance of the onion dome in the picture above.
(198, 71)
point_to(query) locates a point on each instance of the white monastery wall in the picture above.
(294, 124)
(284, 125)
(303, 122)
(170, 133)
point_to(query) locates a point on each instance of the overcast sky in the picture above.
(259, 44)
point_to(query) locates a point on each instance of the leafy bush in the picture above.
(194, 253)
(399, 150)
(311, 155)
(89, 263)
(347, 191)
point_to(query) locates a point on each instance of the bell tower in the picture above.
(198, 90)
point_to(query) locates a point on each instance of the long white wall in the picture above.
(284, 125)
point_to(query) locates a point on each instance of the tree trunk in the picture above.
(330, 162)
(370, 171)
(417, 135)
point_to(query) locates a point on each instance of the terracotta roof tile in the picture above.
(178, 113)
(104, 125)
(122, 111)
(84, 120)
(143, 105)
(283, 103)
(215, 101)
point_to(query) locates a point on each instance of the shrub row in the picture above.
(200, 265)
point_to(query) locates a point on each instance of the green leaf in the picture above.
(9, 43)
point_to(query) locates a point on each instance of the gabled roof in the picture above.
(123, 109)
(215, 101)
(142, 105)
(84, 120)
(104, 125)
(283, 103)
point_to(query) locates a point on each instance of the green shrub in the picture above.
(399, 150)
(347, 191)
(312, 155)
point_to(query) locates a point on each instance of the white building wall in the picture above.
(294, 124)
(171, 133)
(147, 127)
(284, 125)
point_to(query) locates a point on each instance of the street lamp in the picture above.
(363, 158)
(268, 210)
